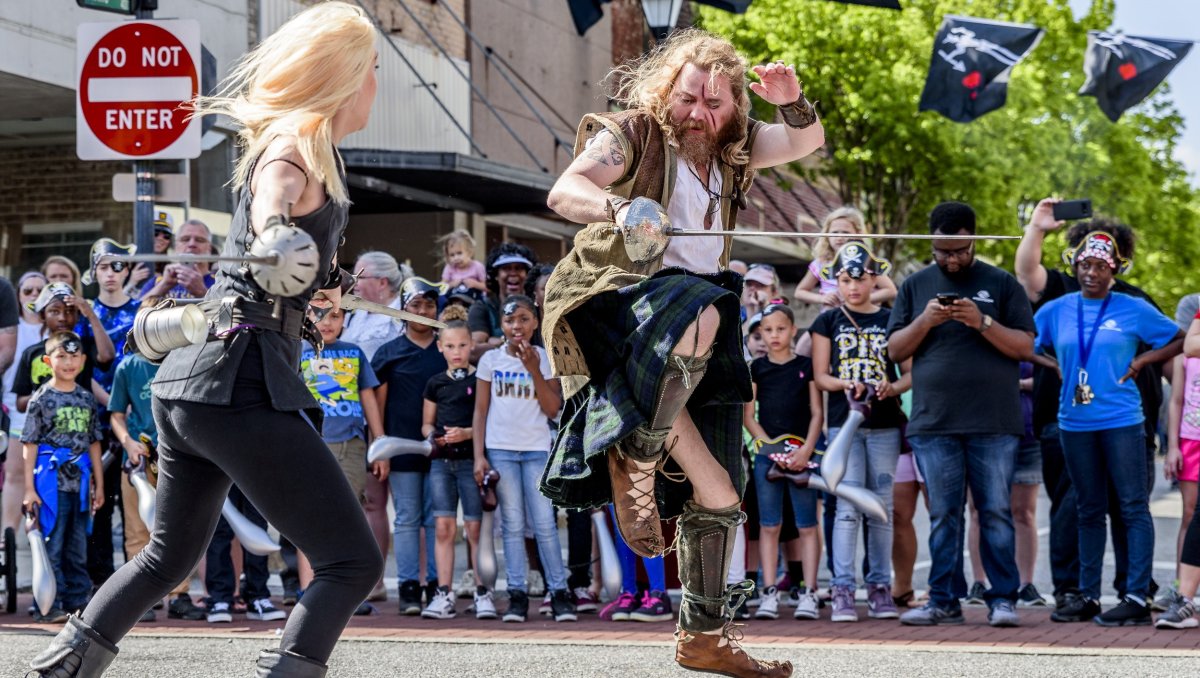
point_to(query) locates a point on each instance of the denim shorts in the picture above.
(452, 481)
(1028, 468)
(772, 494)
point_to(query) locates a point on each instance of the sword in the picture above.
(353, 302)
(45, 589)
(252, 537)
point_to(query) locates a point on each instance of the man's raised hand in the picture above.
(778, 84)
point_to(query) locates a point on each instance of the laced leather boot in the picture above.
(635, 461)
(706, 639)
(78, 651)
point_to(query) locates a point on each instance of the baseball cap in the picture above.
(763, 274)
(55, 290)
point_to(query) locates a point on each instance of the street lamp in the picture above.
(661, 15)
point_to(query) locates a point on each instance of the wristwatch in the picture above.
(985, 323)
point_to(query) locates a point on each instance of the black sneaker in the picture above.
(1029, 596)
(975, 595)
(1063, 598)
(1128, 612)
(54, 616)
(291, 592)
(148, 616)
(410, 597)
(518, 607)
(562, 607)
(1076, 608)
(182, 607)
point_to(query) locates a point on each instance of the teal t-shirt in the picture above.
(131, 391)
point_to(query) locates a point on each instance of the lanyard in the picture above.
(1085, 347)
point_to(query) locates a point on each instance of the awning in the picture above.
(425, 181)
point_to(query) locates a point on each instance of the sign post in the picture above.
(134, 79)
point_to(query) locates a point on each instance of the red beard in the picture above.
(701, 149)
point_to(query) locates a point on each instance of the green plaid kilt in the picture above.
(627, 337)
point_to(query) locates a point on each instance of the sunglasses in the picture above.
(30, 291)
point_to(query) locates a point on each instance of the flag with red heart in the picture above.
(1122, 70)
(972, 60)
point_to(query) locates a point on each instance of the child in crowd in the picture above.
(788, 403)
(59, 309)
(61, 439)
(29, 332)
(820, 289)
(449, 409)
(514, 403)
(462, 272)
(654, 605)
(133, 426)
(849, 354)
(1183, 442)
(342, 381)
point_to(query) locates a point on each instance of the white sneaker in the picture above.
(218, 613)
(466, 585)
(808, 607)
(768, 604)
(485, 607)
(263, 610)
(442, 605)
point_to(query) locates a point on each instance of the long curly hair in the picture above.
(293, 83)
(646, 83)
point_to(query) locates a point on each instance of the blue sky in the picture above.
(1169, 19)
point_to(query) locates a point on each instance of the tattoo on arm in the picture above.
(611, 154)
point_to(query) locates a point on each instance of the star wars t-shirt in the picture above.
(859, 353)
(67, 419)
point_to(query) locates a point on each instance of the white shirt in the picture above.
(687, 209)
(28, 334)
(515, 420)
(369, 331)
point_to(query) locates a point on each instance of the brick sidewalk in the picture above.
(1036, 634)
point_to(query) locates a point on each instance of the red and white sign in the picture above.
(134, 78)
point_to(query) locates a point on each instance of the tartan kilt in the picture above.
(626, 337)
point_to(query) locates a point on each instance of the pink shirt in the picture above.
(453, 276)
(1189, 424)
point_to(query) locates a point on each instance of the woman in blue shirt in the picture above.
(1096, 334)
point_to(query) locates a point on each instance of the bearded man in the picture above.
(650, 354)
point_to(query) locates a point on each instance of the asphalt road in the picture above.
(225, 658)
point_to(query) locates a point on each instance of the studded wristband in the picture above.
(798, 114)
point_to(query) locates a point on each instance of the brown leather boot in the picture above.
(634, 503)
(721, 653)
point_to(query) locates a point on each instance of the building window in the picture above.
(71, 240)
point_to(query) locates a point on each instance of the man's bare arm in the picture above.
(579, 193)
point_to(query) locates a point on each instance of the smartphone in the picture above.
(1073, 209)
(947, 298)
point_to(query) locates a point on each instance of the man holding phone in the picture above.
(184, 280)
(966, 325)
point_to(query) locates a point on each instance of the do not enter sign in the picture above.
(134, 79)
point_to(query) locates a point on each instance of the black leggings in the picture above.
(286, 470)
(1190, 554)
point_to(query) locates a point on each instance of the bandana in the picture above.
(857, 260)
(102, 247)
(71, 345)
(777, 306)
(514, 302)
(1097, 245)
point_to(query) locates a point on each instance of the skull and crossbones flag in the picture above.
(972, 59)
(1122, 70)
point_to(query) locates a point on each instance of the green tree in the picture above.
(867, 68)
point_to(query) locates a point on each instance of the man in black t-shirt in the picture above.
(966, 325)
(1043, 285)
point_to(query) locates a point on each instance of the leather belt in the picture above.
(231, 314)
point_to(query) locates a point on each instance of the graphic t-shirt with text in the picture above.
(63, 419)
(859, 354)
(515, 420)
(335, 380)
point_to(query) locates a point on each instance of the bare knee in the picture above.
(700, 335)
(445, 529)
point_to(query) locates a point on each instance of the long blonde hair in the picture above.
(823, 251)
(646, 83)
(293, 83)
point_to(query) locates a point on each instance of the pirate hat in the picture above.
(1097, 245)
(52, 291)
(102, 247)
(416, 286)
(856, 259)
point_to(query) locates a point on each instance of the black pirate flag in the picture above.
(1122, 69)
(884, 4)
(972, 59)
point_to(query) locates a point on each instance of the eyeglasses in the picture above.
(960, 253)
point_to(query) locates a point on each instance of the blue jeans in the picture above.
(771, 495)
(1095, 460)
(67, 549)
(518, 494)
(452, 481)
(872, 464)
(951, 463)
(413, 501)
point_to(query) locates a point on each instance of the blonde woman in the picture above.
(229, 410)
(816, 288)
